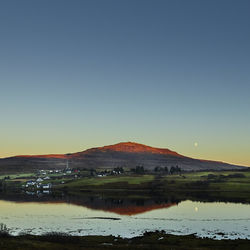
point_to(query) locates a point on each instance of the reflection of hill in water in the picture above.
(126, 206)
(137, 209)
(114, 205)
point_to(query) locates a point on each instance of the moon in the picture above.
(196, 144)
(196, 209)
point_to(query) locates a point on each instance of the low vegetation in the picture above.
(150, 240)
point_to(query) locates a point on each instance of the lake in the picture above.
(127, 219)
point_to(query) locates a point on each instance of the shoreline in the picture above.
(149, 240)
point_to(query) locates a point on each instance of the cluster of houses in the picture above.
(45, 172)
(59, 171)
(38, 183)
(73, 173)
(115, 171)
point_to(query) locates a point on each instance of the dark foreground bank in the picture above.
(152, 240)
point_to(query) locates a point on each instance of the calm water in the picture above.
(208, 219)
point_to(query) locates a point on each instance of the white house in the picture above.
(46, 186)
(30, 183)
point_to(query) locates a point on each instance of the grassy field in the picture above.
(99, 181)
(223, 181)
(15, 176)
(213, 181)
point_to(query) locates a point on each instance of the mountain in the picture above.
(125, 154)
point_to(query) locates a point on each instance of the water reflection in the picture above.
(121, 206)
(37, 213)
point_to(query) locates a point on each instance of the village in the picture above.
(44, 180)
(47, 180)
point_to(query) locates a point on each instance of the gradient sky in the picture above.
(77, 74)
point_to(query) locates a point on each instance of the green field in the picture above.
(98, 181)
(15, 176)
(225, 181)
(213, 181)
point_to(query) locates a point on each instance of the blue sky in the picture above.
(79, 74)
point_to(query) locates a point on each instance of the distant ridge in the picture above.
(56, 156)
(134, 147)
(124, 154)
(130, 147)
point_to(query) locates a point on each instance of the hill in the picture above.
(125, 154)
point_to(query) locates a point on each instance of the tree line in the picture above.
(165, 170)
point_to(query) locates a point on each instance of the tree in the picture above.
(92, 172)
(166, 170)
(139, 170)
(156, 169)
(172, 170)
(175, 169)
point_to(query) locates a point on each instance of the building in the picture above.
(46, 186)
(30, 183)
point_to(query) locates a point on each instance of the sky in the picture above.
(167, 73)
